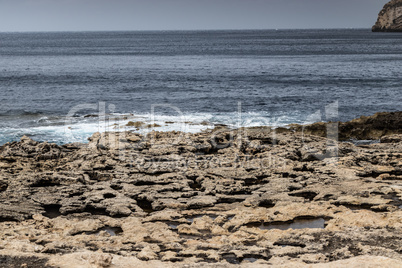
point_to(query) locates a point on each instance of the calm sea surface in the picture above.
(50, 82)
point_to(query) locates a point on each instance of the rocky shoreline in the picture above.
(375, 127)
(251, 197)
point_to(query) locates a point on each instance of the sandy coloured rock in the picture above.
(390, 18)
(253, 197)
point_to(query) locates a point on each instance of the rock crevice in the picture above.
(170, 199)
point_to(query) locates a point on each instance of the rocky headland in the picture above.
(390, 18)
(221, 198)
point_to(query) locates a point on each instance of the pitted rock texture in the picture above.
(390, 18)
(221, 198)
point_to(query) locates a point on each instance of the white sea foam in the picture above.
(63, 130)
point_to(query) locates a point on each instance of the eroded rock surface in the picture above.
(390, 18)
(372, 127)
(250, 196)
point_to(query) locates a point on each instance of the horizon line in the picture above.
(187, 30)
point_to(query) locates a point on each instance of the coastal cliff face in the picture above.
(253, 197)
(390, 18)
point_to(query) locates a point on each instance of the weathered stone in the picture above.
(248, 196)
(390, 18)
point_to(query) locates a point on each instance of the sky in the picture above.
(110, 15)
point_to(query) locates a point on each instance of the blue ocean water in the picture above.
(49, 82)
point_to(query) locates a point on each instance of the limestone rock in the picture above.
(372, 127)
(390, 18)
(252, 197)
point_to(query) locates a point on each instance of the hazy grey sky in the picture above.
(84, 15)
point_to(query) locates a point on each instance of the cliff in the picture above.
(390, 18)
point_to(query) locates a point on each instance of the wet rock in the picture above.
(137, 124)
(363, 128)
(392, 139)
(23, 261)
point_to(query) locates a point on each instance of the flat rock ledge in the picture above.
(250, 197)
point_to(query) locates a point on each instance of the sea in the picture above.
(62, 87)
